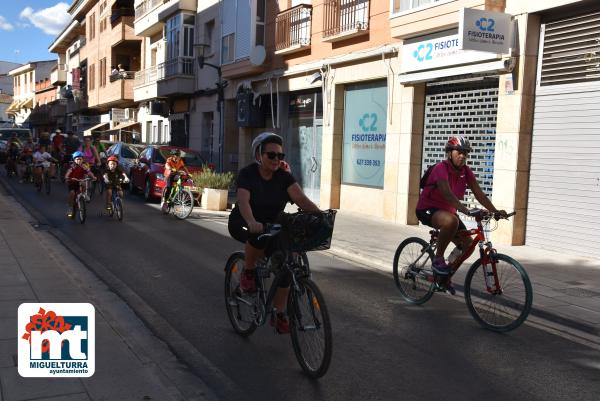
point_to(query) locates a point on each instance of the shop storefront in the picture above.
(564, 185)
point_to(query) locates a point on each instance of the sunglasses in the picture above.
(273, 155)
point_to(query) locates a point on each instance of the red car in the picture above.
(147, 175)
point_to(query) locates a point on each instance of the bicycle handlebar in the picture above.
(269, 230)
(483, 214)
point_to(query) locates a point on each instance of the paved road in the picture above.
(383, 348)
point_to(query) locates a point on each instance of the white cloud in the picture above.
(51, 20)
(5, 25)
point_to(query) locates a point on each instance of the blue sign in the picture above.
(365, 119)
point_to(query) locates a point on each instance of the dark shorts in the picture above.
(73, 186)
(425, 215)
(236, 230)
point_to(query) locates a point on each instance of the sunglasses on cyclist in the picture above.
(273, 155)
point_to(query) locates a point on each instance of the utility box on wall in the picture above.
(249, 114)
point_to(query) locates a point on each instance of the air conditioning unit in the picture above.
(249, 115)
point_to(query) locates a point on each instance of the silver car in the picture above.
(127, 154)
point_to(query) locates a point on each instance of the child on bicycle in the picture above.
(113, 177)
(74, 175)
(42, 160)
(173, 166)
(442, 195)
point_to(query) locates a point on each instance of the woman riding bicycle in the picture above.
(442, 195)
(263, 190)
(89, 152)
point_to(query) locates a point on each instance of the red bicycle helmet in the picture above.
(458, 142)
(113, 159)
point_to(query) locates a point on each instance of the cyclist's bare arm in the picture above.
(243, 202)
(482, 197)
(299, 198)
(444, 188)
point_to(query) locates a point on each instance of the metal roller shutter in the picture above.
(564, 188)
(468, 107)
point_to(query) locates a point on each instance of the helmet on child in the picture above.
(113, 158)
(458, 142)
(77, 154)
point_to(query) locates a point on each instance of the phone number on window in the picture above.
(368, 162)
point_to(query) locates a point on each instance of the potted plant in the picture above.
(214, 188)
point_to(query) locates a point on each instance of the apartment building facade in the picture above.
(107, 64)
(24, 83)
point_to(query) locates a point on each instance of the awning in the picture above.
(126, 125)
(88, 132)
(498, 67)
(27, 104)
(13, 107)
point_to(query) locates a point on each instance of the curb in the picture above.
(379, 266)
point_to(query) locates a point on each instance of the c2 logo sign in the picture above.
(486, 24)
(423, 52)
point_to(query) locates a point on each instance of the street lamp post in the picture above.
(201, 50)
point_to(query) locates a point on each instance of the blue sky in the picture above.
(27, 27)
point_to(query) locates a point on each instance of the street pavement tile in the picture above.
(12, 278)
(591, 303)
(547, 291)
(17, 388)
(543, 301)
(8, 351)
(16, 292)
(8, 328)
(10, 308)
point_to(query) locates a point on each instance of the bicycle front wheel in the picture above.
(310, 328)
(412, 266)
(183, 203)
(501, 308)
(118, 206)
(81, 212)
(240, 308)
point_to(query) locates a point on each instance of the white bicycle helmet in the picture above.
(261, 139)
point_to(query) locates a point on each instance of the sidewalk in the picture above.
(566, 287)
(131, 364)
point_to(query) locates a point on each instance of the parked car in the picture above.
(6, 133)
(127, 154)
(147, 175)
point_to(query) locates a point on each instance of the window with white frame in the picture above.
(406, 5)
(180, 36)
(228, 48)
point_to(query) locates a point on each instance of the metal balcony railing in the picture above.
(178, 66)
(292, 28)
(345, 17)
(147, 76)
(146, 6)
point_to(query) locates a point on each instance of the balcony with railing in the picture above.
(343, 19)
(144, 85)
(293, 29)
(122, 30)
(145, 7)
(175, 76)
(58, 75)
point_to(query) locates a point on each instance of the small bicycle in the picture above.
(180, 201)
(310, 326)
(497, 288)
(81, 198)
(117, 203)
(43, 181)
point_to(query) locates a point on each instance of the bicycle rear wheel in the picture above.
(310, 328)
(183, 203)
(412, 262)
(240, 308)
(504, 309)
(118, 208)
(81, 212)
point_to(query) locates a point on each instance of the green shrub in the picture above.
(211, 179)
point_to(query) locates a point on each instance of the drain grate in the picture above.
(579, 292)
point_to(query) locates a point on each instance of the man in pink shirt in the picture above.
(442, 195)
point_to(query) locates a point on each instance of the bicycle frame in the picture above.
(486, 250)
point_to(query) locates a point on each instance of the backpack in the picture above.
(425, 177)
